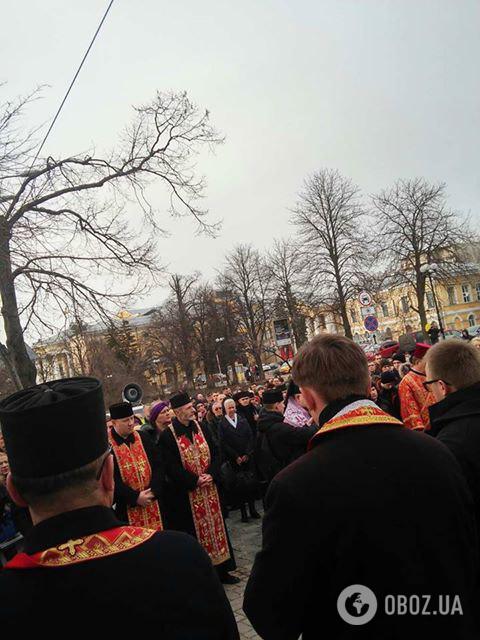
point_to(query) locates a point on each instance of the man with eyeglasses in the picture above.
(453, 376)
(81, 569)
(138, 470)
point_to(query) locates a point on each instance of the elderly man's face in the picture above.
(230, 408)
(185, 413)
(217, 409)
(244, 401)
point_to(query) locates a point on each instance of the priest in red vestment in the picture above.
(138, 471)
(192, 502)
(414, 398)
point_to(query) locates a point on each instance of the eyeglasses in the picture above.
(427, 383)
(109, 451)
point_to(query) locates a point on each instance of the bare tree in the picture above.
(416, 228)
(183, 298)
(63, 228)
(207, 327)
(247, 279)
(330, 222)
(288, 269)
(163, 340)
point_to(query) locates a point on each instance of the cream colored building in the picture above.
(458, 299)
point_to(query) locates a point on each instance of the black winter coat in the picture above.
(376, 505)
(389, 401)
(285, 443)
(250, 414)
(238, 441)
(456, 422)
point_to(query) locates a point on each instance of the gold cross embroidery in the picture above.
(70, 545)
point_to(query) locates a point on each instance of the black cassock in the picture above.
(177, 512)
(124, 495)
(162, 581)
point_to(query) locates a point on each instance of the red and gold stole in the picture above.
(362, 416)
(204, 501)
(136, 473)
(92, 547)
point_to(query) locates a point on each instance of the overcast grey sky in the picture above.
(379, 89)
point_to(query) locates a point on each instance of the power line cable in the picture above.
(72, 82)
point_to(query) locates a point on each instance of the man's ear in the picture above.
(14, 494)
(445, 388)
(106, 479)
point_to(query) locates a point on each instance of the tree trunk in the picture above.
(420, 291)
(17, 350)
(342, 302)
(258, 361)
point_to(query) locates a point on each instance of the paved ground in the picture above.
(246, 540)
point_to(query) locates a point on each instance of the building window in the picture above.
(452, 298)
(384, 309)
(321, 322)
(430, 301)
(353, 313)
(405, 304)
(478, 290)
(471, 320)
(466, 292)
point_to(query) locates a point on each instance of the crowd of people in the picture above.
(368, 474)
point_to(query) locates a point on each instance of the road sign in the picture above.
(368, 311)
(365, 298)
(371, 323)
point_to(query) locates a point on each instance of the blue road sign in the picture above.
(371, 323)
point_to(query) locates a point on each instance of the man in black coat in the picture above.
(372, 507)
(279, 443)
(81, 569)
(246, 409)
(453, 376)
(388, 399)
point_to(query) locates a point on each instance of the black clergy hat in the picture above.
(180, 400)
(55, 427)
(388, 376)
(241, 394)
(120, 410)
(272, 396)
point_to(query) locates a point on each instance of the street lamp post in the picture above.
(429, 269)
(218, 340)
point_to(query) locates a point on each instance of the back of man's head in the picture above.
(455, 362)
(334, 366)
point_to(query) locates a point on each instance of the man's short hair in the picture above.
(456, 362)
(333, 365)
(36, 490)
(270, 407)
